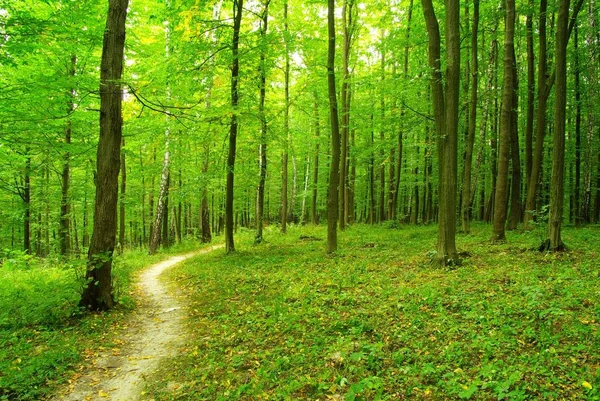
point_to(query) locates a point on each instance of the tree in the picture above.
(555, 242)
(260, 191)
(470, 140)
(98, 293)
(501, 198)
(233, 128)
(445, 108)
(334, 172)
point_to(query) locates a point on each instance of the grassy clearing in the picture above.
(43, 333)
(282, 321)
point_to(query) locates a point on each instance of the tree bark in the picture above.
(345, 98)
(98, 293)
(530, 93)
(558, 152)
(334, 171)
(65, 218)
(286, 126)
(577, 195)
(540, 133)
(315, 189)
(501, 198)
(262, 147)
(122, 200)
(470, 140)
(233, 129)
(445, 107)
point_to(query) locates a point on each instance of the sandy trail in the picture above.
(155, 332)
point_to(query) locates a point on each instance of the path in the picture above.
(154, 332)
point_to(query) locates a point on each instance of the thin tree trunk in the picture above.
(315, 191)
(122, 200)
(530, 93)
(381, 215)
(65, 218)
(286, 127)
(577, 197)
(262, 147)
(98, 293)
(515, 157)
(334, 173)
(26, 195)
(233, 130)
(345, 99)
(467, 204)
(399, 150)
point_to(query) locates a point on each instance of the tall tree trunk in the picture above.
(315, 190)
(334, 173)
(262, 147)
(470, 140)
(445, 106)
(122, 200)
(515, 157)
(543, 91)
(345, 98)
(381, 214)
(26, 195)
(143, 205)
(558, 152)
(530, 93)
(305, 191)
(233, 129)
(65, 218)
(372, 201)
(286, 126)
(98, 293)
(577, 197)
(501, 199)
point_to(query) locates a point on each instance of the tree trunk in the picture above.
(381, 214)
(515, 157)
(577, 195)
(122, 200)
(445, 107)
(558, 153)
(536, 165)
(334, 171)
(470, 140)
(27, 203)
(65, 218)
(345, 98)
(262, 147)
(530, 93)
(315, 191)
(98, 293)
(501, 198)
(286, 127)
(233, 129)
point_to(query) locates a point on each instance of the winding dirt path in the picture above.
(154, 332)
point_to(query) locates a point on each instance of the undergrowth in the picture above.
(378, 321)
(43, 333)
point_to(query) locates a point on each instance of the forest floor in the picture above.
(152, 333)
(379, 321)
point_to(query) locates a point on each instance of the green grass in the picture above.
(44, 336)
(283, 321)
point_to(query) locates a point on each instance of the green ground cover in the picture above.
(44, 336)
(282, 321)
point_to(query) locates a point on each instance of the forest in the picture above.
(354, 199)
